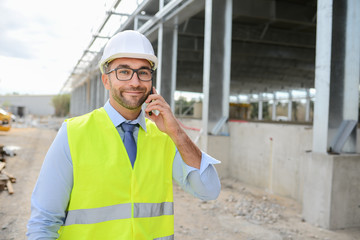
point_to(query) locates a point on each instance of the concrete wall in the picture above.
(39, 105)
(270, 156)
(267, 155)
(219, 148)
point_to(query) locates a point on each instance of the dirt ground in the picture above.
(240, 212)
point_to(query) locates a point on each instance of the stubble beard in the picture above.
(131, 104)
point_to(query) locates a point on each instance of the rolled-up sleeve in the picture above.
(203, 183)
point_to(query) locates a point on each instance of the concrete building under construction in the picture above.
(228, 48)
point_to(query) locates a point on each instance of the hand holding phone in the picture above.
(156, 112)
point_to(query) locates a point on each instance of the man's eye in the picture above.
(124, 71)
(144, 72)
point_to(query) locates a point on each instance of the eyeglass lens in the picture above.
(127, 73)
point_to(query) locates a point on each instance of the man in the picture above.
(108, 173)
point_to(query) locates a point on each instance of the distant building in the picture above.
(21, 105)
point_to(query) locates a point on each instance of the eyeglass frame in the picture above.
(133, 71)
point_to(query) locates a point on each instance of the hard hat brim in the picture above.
(153, 59)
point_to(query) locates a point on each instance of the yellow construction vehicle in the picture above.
(5, 120)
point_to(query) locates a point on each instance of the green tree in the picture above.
(183, 106)
(266, 112)
(255, 110)
(61, 104)
(295, 107)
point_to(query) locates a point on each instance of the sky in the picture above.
(41, 41)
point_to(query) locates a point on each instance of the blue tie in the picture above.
(129, 141)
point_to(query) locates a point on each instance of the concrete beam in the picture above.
(240, 49)
(280, 11)
(191, 81)
(259, 33)
(192, 56)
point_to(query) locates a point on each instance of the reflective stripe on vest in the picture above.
(142, 210)
(97, 215)
(165, 238)
(120, 211)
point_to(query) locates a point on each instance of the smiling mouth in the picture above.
(133, 92)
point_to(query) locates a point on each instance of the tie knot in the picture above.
(128, 127)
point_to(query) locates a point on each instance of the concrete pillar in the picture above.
(331, 191)
(273, 112)
(78, 101)
(93, 90)
(86, 98)
(166, 83)
(260, 108)
(217, 64)
(160, 50)
(100, 90)
(106, 94)
(72, 102)
(307, 106)
(80, 104)
(337, 71)
(96, 83)
(290, 107)
(81, 100)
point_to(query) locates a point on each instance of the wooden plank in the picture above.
(3, 177)
(9, 187)
(2, 166)
(2, 185)
(10, 176)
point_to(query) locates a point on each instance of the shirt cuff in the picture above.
(206, 160)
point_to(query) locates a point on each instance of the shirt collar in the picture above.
(117, 119)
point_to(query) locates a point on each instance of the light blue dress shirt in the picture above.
(51, 194)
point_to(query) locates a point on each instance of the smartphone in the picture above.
(156, 112)
(151, 92)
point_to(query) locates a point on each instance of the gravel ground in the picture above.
(240, 212)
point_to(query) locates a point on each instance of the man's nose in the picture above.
(135, 81)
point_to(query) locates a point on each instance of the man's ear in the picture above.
(105, 79)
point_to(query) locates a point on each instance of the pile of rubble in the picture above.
(255, 209)
(258, 212)
(6, 179)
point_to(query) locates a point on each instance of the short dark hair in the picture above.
(106, 67)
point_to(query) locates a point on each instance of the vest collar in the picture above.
(117, 119)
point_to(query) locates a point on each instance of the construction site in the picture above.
(268, 87)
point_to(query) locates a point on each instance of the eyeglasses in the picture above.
(125, 74)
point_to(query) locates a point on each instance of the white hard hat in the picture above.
(129, 44)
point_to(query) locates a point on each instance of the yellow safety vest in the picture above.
(110, 199)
